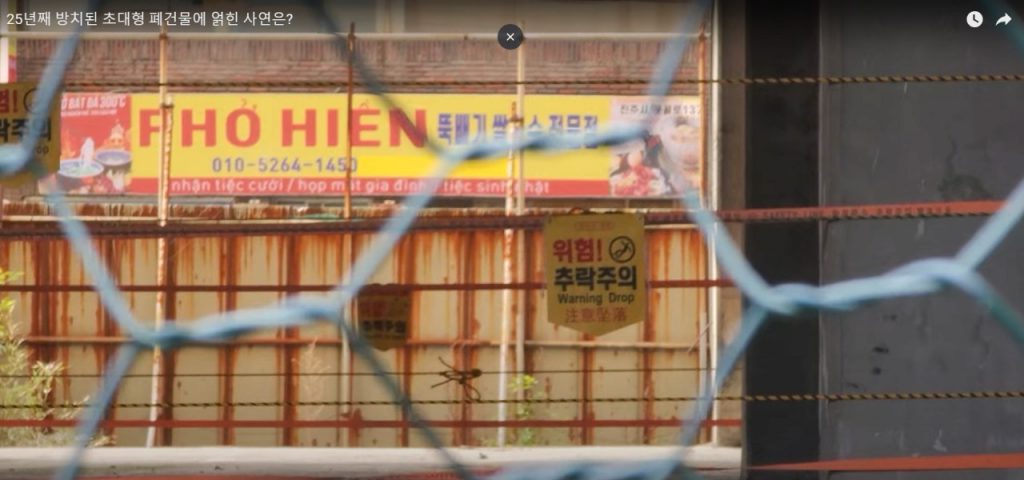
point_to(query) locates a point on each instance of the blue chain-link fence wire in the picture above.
(918, 278)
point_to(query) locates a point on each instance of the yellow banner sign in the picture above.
(269, 144)
(384, 318)
(17, 116)
(595, 271)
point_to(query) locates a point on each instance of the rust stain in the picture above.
(654, 257)
(289, 260)
(104, 326)
(356, 416)
(170, 357)
(356, 244)
(462, 245)
(64, 322)
(405, 360)
(5, 254)
(344, 382)
(535, 271)
(586, 407)
(470, 329)
(701, 266)
(467, 256)
(229, 266)
(406, 261)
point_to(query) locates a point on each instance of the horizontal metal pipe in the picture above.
(388, 288)
(534, 220)
(325, 342)
(305, 36)
(82, 218)
(361, 423)
(144, 219)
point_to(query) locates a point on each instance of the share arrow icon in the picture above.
(1003, 20)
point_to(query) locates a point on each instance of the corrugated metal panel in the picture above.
(461, 326)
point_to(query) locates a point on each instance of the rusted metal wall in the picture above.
(456, 316)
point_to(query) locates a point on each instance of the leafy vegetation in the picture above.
(23, 382)
(526, 386)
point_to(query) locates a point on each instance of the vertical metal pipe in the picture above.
(229, 267)
(520, 207)
(5, 47)
(520, 105)
(161, 260)
(351, 45)
(702, 327)
(345, 381)
(714, 203)
(290, 379)
(506, 294)
(5, 69)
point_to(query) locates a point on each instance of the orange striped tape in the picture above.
(979, 461)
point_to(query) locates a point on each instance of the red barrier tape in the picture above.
(981, 461)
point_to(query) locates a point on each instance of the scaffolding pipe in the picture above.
(702, 380)
(5, 43)
(161, 261)
(506, 294)
(714, 158)
(521, 206)
(349, 242)
(351, 45)
(5, 69)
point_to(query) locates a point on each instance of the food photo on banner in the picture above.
(95, 150)
(667, 158)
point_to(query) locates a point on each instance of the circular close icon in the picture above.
(510, 37)
(622, 249)
(975, 19)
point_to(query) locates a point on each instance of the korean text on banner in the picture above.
(16, 111)
(384, 318)
(595, 271)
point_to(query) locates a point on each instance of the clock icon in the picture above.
(974, 19)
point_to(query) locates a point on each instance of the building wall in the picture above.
(389, 61)
(544, 16)
(456, 316)
(442, 61)
(918, 142)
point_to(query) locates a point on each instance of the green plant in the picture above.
(25, 383)
(524, 386)
(315, 388)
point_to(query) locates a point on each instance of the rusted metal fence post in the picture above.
(712, 159)
(520, 208)
(506, 294)
(513, 252)
(351, 45)
(162, 214)
(346, 378)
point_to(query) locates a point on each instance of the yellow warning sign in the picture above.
(384, 318)
(17, 115)
(595, 271)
